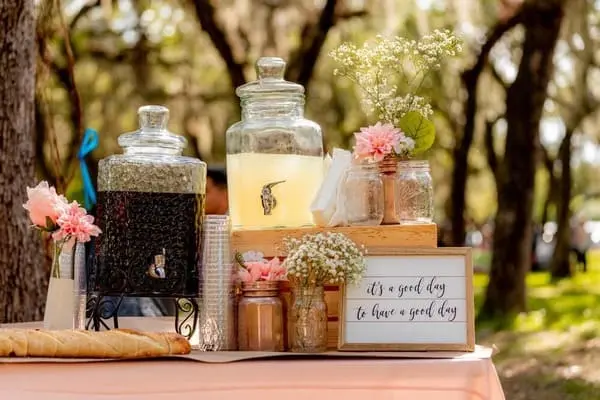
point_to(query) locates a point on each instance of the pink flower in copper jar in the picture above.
(44, 203)
(377, 141)
(260, 270)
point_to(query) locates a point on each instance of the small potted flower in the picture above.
(391, 73)
(69, 227)
(312, 262)
(260, 309)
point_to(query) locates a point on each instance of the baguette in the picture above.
(116, 343)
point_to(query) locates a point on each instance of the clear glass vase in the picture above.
(307, 324)
(414, 197)
(66, 299)
(363, 192)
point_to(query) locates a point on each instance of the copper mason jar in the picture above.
(260, 317)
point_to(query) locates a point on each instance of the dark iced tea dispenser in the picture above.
(150, 210)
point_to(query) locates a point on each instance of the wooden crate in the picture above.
(270, 243)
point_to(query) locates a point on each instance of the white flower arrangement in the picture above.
(324, 258)
(390, 72)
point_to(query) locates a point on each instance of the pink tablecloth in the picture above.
(348, 379)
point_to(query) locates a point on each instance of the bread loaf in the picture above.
(116, 343)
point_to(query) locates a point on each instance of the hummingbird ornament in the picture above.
(268, 200)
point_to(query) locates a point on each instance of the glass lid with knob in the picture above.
(270, 72)
(152, 136)
(152, 159)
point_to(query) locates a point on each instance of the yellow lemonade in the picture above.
(272, 190)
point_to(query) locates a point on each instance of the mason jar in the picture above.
(275, 160)
(260, 317)
(307, 320)
(414, 196)
(363, 192)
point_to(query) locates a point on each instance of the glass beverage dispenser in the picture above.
(150, 210)
(274, 154)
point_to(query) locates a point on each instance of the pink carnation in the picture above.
(255, 270)
(244, 276)
(262, 271)
(74, 223)
(377, 141)
(276, 271)
(43, 202)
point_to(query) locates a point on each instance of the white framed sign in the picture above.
(410, 299)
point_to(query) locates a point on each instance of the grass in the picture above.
(553, 350)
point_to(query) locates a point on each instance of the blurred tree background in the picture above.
(190, 55)
(517, 148)
(99, 60)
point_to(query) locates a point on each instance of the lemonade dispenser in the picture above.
(274, 155)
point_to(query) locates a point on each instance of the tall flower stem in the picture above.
(58, 246)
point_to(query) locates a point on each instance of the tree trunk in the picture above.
(552, 181)
(304, 59)
(461, 152)
(560, 265)
(22, 277)
(206, 14)
(525, 99)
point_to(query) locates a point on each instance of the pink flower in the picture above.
(377, 141)
(74, 223)
(255, 270)
(263, 270)
(276, 271)
(243, 275)
(43, 202)
(277, 274)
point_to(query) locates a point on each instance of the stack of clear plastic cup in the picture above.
(217, 298)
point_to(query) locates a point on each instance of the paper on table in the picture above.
(221, 357)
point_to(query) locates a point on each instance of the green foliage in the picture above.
(558, 331)
(418, 128)
(74, 191)
(569, 305)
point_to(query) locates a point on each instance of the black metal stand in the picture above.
(102, 308)
(186, 316)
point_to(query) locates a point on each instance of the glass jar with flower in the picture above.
(391, 71)
(260, 309)
(313, 261)
(381, 145)
(69, 227)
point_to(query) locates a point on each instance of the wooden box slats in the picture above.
(270, 242)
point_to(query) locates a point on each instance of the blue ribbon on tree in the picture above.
(89, 144)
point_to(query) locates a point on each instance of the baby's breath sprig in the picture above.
(390, 73)
(324, 258)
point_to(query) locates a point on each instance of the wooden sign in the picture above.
(410, 299)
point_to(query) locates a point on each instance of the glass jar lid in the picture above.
(270, 72)
(153, 131)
